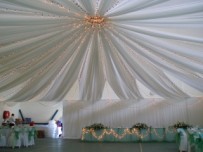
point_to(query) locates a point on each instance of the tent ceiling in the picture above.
(139, 49)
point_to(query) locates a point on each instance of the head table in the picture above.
(129, 135)
(17, 136)
(190, 139)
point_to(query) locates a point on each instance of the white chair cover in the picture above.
(14, 140)
(4, 134)
(17, 136)
(24, 136)
(2, 140)
(31, 136)
(59, 132)
(183, 140)
(190, 145)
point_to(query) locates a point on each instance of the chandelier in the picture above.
(95, 21)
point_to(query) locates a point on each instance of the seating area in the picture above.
(190, 140)
(17, 136)
(195, 139)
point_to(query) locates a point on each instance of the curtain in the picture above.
(47, 46)
(116, 113)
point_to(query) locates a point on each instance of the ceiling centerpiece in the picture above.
(95, 21)
(90, 50)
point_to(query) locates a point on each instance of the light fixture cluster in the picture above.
(95, 21)
(126, 131)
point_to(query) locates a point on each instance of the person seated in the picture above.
(12, 120)
(5, 122)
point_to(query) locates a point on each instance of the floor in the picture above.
(67, 145)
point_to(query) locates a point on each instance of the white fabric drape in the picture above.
(119, 113)
(46, 46)
(148, 54)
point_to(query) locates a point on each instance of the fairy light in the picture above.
(43, 70)
(157, 134)
(97, 6)
(171, 130)
(95, 21)
(127, 131)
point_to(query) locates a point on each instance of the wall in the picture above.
(9, 106)
(41, 111)
(112, 113)
(38, 111)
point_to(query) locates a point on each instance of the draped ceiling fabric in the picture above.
(49, 46)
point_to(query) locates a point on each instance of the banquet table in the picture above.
(195, 138)
(17, 136)
(129, 135)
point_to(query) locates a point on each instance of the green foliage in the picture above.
(181, 125)
(140, 126)
(96, 126)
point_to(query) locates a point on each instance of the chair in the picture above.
(183, 140)
(14, 140)
(2, 139)
(31, 136)
(24, 137)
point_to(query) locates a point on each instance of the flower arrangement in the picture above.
(181, 125)
(96, 126)
(140, 126)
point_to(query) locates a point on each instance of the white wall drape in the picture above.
(114, 113)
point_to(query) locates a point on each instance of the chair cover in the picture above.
(183, 140)
(24, 137)
(2, 140)
(31, 136)
(14, 140)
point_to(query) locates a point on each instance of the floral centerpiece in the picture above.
(96, 126)
(139, 126)
(181, 125)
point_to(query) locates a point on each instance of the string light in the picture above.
(171, 130)
(157, 134)
(127, 131)
(95, 21)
